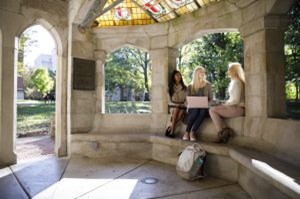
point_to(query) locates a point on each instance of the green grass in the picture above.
(128, 107)
(293, 110)
(34, 116)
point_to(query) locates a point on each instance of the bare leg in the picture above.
(175, 116)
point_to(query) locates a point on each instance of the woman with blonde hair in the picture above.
(199, 87)
(234, 106)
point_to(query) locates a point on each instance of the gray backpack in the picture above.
(191, 162)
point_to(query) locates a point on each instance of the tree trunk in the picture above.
(145, 69)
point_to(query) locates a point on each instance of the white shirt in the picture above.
(236, 92)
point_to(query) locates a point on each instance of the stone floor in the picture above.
(34, 148)
(64, 178)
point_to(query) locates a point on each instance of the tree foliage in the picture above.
(213, 52)
(128, 68)
(42, 81)
(25, 42)
(292, 51)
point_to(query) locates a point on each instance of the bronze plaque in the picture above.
(84, 74)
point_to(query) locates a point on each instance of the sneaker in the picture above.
(186, 136)
(193, 137)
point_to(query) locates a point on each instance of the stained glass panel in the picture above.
(142, 12)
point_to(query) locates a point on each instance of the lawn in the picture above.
(34, 116)
(128, 107)
(293, 110)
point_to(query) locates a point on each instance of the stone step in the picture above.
(279, 174)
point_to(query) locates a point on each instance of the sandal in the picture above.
(186, 136)
(193, 137)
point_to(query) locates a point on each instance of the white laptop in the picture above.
(197, 101)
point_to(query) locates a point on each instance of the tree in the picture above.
(213, 52)
(26, 40)
(42, 81)
(139, 58)
(127, 68)
(292, 52)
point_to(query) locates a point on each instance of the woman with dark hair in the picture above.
(177, 101)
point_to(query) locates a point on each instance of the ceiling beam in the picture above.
(197, 4)
(114, 4)
(96, 11)
(92, 14)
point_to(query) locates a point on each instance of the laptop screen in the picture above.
(197, 101)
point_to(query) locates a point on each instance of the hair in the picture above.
(237, 71)
(196, 82)
(173, 81)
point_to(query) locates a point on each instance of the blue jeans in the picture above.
(195, 118)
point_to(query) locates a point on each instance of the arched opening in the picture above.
(292, 70)
(36, 93)
(128, 81)
(213, 52)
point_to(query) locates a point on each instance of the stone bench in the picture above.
(261, 175)
(265, 176)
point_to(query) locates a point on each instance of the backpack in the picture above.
(191, 162)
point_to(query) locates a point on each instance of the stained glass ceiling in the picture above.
(142, 12)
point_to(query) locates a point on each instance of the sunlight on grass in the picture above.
(34, 116)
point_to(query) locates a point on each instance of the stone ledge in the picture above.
(214, 148)
(111, 137)
(279, 174)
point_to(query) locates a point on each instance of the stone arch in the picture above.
(202, 33)
(126, 45)
(59, 132)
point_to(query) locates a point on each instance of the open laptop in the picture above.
(197, 102)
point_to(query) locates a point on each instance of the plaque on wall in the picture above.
(84, 74)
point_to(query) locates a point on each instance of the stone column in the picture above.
(100, 81)
(100, 57)
(163, 61)
(264, 66)
(8, 100)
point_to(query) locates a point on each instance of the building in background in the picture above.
(47, 61)
(20, 88)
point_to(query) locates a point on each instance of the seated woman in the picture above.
(234, 106)
(199, 87)
(177, 99)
